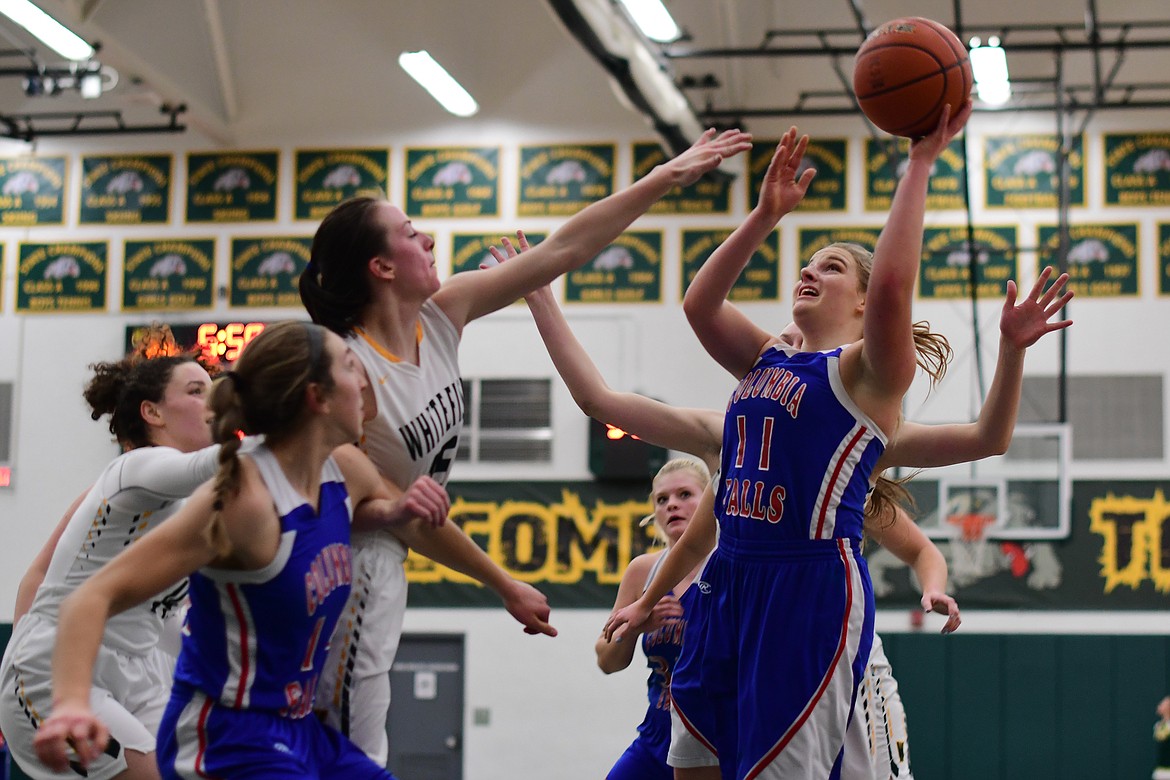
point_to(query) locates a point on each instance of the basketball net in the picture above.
(970, 548)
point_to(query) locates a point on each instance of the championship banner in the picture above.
(572, 540)
(1117, 557)
(325, 177)
(827, 192)
(32, 191)
(562, 179)
(456, 181)
(709, 195)
(1102, 259)
(945, 271)
(1022, 171)
(886, 161)
(1137, 169)
(232, 186)
(760, 280)
(168, 274)
(627, 271)
(62, 277)
(265, 271)
(126, 189)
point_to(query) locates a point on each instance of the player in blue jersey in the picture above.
(267, 547)
(372, 278)
(767, 676)
(697, 432)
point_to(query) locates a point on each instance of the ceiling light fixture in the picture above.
(989, 66)
(434, 78)
(653, 20)
(47, 30)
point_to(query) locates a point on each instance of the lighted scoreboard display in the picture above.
(217, 343)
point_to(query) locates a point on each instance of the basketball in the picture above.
(906, 71)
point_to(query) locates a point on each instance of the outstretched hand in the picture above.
(530, 607)
(705, 154)
(71, 734)
(509, 251)
(936, 601)
(950, 124)
(1022, 324)
(781, 191)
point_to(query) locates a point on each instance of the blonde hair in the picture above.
(697, 469)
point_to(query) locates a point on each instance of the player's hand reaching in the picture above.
(950, 124)
(705, 154)
(782, 190)
(936, 601)
(72, 734)
(1023, 322)
(529, 606)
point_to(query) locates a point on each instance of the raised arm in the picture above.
(724, 331)
(687, 553)
(464, 297)
(1020, 326)
(698, 432)
(910, 545)
(887, 352)
(161, 558)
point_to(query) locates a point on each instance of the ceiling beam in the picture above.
(219, 52)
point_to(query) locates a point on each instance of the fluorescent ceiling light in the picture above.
(47, 29)
(989, 66)
(451, 95)
(653, 20)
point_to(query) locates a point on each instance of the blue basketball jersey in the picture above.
(797, 452)
(256, 640)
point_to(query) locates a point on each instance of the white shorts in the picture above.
(876, 743)
(686, 750)
(129, 695)
(354, 688)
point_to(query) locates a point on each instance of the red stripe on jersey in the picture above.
(201, 732)
(245, 661)
(741, 427)
(766, 446)
(832, 482)
(762, 764)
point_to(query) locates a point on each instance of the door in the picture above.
(425, 723)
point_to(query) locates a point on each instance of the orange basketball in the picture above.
(906, 71)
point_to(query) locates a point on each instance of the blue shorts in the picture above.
(200, 738)
(775, 647)
(640, 762)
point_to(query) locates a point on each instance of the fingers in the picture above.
(1009, 301)
(540, 627)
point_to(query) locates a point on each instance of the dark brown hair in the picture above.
(335, 285)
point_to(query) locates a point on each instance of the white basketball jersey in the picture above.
(420, 408)
(136, 491)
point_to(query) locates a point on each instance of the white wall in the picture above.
(546, 697)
